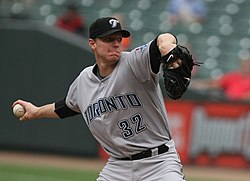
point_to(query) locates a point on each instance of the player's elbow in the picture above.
(166, 42)
(167, 37)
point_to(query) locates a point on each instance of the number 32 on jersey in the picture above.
(132, 126)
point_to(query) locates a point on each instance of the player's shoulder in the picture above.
(86, 71)
(124, 55)
(138, 50)
(142, 49)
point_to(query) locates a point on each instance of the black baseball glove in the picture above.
(176, 80)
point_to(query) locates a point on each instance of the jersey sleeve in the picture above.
(138, 61)
(71, 98)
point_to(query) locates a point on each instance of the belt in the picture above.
(148, 153)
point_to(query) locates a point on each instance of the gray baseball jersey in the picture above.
(125, 111)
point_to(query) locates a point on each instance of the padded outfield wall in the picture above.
(38, 65)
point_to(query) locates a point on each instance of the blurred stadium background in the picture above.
(38, 61)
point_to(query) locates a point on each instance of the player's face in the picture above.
(108, 48)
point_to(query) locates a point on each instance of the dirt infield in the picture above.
(19, 158)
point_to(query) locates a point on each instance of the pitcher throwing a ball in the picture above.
(122, 103)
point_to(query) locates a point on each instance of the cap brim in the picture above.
(125, 33)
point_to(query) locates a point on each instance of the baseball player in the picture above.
(122, 104)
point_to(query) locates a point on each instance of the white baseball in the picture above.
(18, 110)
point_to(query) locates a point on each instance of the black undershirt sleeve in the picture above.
(155, 56)
(62, 110)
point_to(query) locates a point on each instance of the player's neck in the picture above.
(105, 70)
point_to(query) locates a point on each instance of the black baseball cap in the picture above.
(106, 26)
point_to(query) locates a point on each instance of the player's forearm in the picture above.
(166, 42)
(46, 111)
(34, 112)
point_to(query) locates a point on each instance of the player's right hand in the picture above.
(31, 110)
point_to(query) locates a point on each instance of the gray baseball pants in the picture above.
(163, 167)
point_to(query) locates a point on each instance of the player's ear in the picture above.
(92, 43)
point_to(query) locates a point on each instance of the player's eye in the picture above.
(111, 39)
(119, 39)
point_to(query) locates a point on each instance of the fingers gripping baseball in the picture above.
(30, 111)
